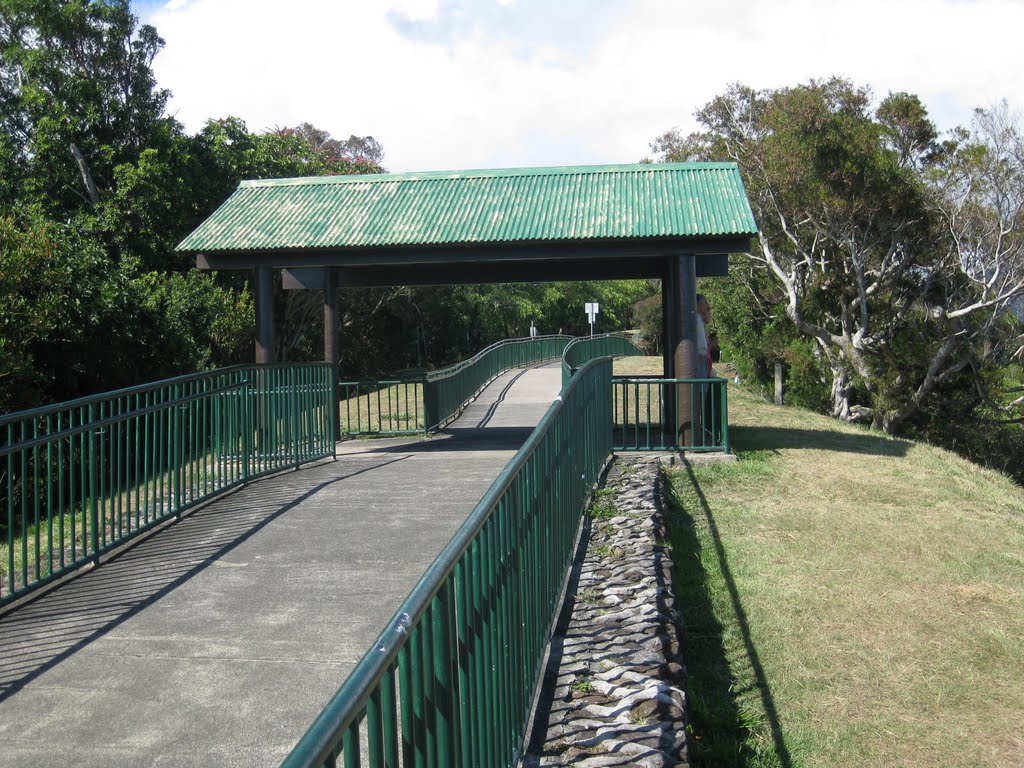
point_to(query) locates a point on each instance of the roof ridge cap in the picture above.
(484, 173)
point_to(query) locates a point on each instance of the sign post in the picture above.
(592, 308)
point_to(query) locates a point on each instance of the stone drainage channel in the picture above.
(613, 687)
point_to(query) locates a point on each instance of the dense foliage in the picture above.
(889, 262)
(98, 184)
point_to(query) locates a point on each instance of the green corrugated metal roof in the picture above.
(669, 200)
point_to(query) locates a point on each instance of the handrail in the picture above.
(447, 391)
(580, 350)
(558, 340)
(409, 405)
(465, 648)
(80, 478)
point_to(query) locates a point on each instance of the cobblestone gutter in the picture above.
(613, 688)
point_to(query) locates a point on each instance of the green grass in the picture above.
(394, 408)
(849, 599)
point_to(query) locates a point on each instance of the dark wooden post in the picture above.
(264, 316)
(264, 350)
(669, 338)
(330, 319)
(688, 417)
(331, 343)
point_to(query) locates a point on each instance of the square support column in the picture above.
(264, 316)
(684, 309)
(331, 343)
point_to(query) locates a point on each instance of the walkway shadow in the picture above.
(465, 439)
(41, 634)
(718, 726)
(775, 438)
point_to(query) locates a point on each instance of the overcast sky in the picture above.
(460, 84)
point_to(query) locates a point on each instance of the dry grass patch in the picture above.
(852, 599)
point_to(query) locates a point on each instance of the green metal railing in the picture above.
(450, 680)
(579, 351)
(80, 478)
(418, 405)
(381, 407)
(643, 412)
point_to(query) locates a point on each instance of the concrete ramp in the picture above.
(219, 639)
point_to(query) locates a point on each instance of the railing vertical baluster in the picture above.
(389, 719)
(478, 628)
(93, 501)
(35, 498)
(445, 700)
(465, 694)
(374, 733)
(10, 511)
(430, 713)
(73, 502)
(407, 703)
(350, 745)
(419, 699)
(725, 417)
(60, 489)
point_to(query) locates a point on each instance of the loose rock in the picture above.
(615, 675)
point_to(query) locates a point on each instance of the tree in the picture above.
(979, 196)
(852, 241)
(355, 149)
(77, 97)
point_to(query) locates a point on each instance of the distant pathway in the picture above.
(218, 640)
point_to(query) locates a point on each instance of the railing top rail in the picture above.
(662, 380)
(65, 405)
(611, 334)
(349, 700)
(440, 373)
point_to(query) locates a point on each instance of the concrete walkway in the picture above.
(218, 640)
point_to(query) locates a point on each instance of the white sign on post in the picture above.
(591, 308)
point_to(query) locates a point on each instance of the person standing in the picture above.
(709, 405)
(703, 348)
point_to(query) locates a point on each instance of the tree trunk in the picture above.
(87, 180)
(840, 396)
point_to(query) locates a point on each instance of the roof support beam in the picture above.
(489, 254)
(503, 272)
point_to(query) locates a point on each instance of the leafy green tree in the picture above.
(77, 98)
(852, 247)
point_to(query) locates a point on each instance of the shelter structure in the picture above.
(671, 221)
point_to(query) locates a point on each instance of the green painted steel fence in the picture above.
(643, 412)
(80, 478)
(381, 407)
(579, 351)
(418, 405)
(450, 680)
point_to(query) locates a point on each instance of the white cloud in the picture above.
(495, 83)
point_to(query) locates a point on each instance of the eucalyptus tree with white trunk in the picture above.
(897, 254)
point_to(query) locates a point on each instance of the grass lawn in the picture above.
(849, 599)
(393, 408)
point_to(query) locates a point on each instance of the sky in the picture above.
(467, 84)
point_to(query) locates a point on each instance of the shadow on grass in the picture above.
(774, 438)
(720, 729)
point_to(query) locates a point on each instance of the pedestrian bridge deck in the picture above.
(219, 639)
